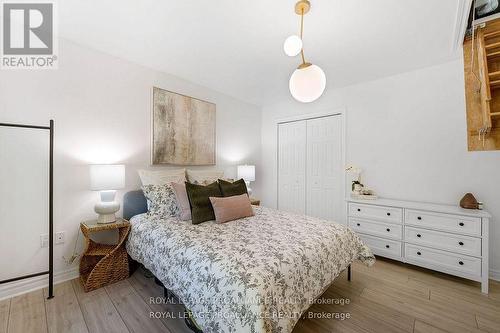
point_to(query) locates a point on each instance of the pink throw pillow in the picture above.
(231, 208)
(182, 201)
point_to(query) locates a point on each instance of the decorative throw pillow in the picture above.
(182, 201)
(201, 208)
(229, 189)
(163, 176)
(231, 208)
(204, 177)
(161, 200)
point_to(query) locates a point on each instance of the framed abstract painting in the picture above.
(183, 129)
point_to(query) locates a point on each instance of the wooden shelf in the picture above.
(495, 84)
(99, 249)
(492, 46)
(495, 114)
(492, 34)
(494, 75)
(493, 54)
(93, 226)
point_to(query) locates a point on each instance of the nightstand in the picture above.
(255, 201)
(103, 264)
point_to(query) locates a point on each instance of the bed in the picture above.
(257, 274)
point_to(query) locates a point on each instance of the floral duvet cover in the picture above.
(257, 274)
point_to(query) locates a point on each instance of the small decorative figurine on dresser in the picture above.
(358, 190)
(470, 202)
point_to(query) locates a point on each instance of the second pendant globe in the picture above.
(292, 46)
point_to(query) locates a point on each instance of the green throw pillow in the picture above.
(201, 207)
(229, 189)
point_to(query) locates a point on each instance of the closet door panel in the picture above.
(292, 167)
(324, 198)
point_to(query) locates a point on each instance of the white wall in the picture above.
(102, 107)
(408, 132)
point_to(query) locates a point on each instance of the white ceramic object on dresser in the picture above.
(444, 238)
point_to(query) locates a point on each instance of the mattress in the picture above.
(257, 274)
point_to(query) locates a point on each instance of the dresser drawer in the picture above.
(444, 241)
(387, 230)
(447, 262)
(446, 222)
(381, 213)
(383, 247)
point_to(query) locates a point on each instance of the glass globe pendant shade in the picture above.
(307, 83)
(292, 46)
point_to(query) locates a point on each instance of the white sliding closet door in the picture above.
(310, 167)
(324, 169)
(292, 167)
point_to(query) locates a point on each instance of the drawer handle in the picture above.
(388, 230)
(461, 224)
(419, 235)
(461, 263)
(388, 214)
(419, 253)
(387, 246)
(419, 218)
(461, 243)
(359, 209)
(358, 224)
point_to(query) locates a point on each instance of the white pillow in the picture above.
(163, 176)
(204, 177)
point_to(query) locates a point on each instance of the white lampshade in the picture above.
(107, 177)
(307, 84)
(247, 172)
(292, 46)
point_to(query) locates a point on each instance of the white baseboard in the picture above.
(23, 286)
(495, 274)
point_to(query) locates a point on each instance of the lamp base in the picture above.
(106, 218)
(107, 207)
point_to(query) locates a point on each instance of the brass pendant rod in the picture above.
(301, 34)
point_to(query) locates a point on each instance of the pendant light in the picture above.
(293, 45)
(308, 81)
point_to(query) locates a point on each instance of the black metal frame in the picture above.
(50, 272)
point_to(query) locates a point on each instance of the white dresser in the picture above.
(444, 238)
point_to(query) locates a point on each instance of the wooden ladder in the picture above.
(489, 80)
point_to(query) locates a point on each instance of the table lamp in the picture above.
(247, 172)
(107, 179)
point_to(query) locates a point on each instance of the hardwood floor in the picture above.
(388, 297)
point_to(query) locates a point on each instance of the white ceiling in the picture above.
(235, 46)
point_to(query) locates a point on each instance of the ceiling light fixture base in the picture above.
(304, 65)
(302, 7)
